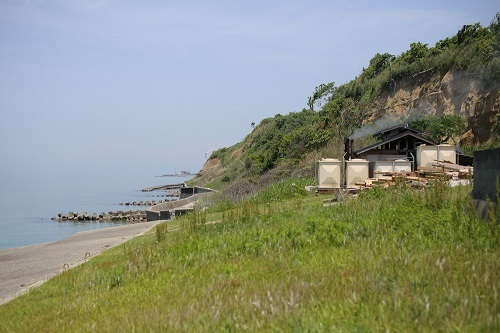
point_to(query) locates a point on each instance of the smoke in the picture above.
(420, 108)
(387, 120)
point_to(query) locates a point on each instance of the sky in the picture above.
(108, 86)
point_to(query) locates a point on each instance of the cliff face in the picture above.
(445, 93)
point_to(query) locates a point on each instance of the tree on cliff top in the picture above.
(441, 128)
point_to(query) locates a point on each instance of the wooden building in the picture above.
(397, 142)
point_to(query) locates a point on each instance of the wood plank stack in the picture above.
(442, 170)
(460, 171)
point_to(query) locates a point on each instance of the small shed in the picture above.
(397, 142)
(400, 142)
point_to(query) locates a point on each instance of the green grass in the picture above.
(390, 260)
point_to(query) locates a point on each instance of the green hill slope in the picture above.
(458, 77)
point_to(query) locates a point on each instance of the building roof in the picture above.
(410, 132)
(401, 127)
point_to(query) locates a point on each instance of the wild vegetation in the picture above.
(290, 144)
(266, 255)
(441, 128)
(391, 260)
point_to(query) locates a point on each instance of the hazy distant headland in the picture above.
(182, 174)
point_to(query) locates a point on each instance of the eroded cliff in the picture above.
(451, 92)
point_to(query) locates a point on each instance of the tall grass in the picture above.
(390, 260)
(284, 190)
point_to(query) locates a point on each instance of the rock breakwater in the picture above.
(144, 203)
(130, 216)
(164, 187)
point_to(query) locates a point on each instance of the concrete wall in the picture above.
(189, 191)
(163, 211)
(486, 174)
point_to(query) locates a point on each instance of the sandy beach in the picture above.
(27, 267)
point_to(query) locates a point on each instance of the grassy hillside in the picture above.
(391, 260)
(439, 77)
(265, 255)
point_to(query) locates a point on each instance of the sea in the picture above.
(27, 204)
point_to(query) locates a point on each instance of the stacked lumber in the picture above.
(326, 190)
(459, 171)
(386, 179)
(446, 171)
(442, 170)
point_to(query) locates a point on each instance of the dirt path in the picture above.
(27, 267)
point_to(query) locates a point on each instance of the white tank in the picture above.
(426, 155)
(329, 173)
(447, 153)
(382, 166)
(392, 166)
(356, 171)
(402, 166)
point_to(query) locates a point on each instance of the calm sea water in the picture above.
(27, 204)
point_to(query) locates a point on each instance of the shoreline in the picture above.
(26, 216)
(27, 267)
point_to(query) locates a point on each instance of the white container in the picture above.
(426, 155)
(329, 173)
(382, 166)
(447, 153)
(401, 166)
(356, 171)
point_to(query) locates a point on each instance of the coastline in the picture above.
(25, 213)
(24, 268)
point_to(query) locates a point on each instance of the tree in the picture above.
(417, 51)
(320, 94)
(343, 115)
(495, 25)
(469, 33)
(378, 64)
(441, 128)
(352, 117)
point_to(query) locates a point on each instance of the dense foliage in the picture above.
(286, 137)
(441, 128)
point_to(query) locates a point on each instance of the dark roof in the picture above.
(401, 127)
(395, 137)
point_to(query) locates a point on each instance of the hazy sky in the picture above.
(96, 86)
